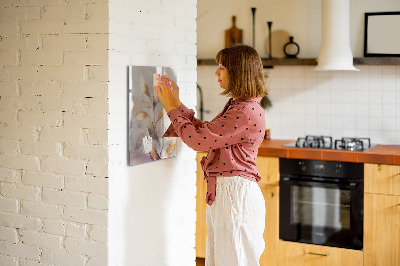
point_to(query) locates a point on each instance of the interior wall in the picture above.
(53, 133)
(152, 206)
(336, 103)
(300, 19)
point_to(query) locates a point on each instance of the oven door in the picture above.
(321, 212)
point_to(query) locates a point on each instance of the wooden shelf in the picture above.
(269, 63)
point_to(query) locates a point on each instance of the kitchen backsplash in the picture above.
(365, 103)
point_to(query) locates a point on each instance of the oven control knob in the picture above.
(338, 170)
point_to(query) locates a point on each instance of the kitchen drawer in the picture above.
(299, 254)
(382, 179)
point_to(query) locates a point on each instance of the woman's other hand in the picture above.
(165, 96)
(175, 90)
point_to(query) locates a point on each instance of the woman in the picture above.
(236, 211)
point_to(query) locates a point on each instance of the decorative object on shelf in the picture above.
(291, 49)
(278, 39)
(380, 37)
(147, 118)
(253, 10)
(269, 38)
(233, 36)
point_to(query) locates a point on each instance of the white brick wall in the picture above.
(152, 206)
(53, 135)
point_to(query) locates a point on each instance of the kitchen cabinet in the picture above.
(269, 170)
(300, 254)
(382, 215)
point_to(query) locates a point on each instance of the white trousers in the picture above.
(235, 223)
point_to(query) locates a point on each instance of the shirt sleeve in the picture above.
(232, 127)
(185, 112)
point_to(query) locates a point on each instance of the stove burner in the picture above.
(324, 142)
(353, 144)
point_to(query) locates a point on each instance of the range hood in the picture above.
(335, 52)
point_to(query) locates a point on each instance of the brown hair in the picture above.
(245, 69)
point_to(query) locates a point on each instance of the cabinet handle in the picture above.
(318, 254)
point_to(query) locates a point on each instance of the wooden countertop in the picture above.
(380, 154)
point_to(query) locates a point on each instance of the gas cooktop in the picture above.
(326, 142)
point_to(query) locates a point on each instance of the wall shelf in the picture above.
(269, 63)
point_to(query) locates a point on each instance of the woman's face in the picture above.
(223, 76)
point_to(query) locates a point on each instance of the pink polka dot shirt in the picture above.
(232, 139)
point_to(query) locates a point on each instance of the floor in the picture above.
(200, 262)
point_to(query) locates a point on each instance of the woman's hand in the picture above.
(175, 90)
(165, 96)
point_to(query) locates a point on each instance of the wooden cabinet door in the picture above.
(201, 205)
(271, 232)
(382, 179)
(299, 254)
(268, 167)
(381, 230)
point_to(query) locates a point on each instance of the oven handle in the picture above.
(310, 182)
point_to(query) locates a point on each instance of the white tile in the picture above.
(349, 122)
(362, 133)
(389, 124)
(362, 123)
(349, 96)
(349, 132)
(389, 110)
(362, 97)
(323, 121)
(336, 121)
(375, 110)
(335, 109)
(375, 97)
(389, 137)
(323, 109)
(336, 96)
(323, 95)
(376, 136)
(348, 109)
(389, 97)
(375, 123)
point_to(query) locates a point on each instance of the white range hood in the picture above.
(335, 53)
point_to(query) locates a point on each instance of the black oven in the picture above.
(321, 202)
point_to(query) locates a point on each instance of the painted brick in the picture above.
(86, 89)
(95, 105)
(43, 179)
(62, 73)
(54, 227)
(26, 262)
(39, 88)
(69, 12)
(18, 132)
(97, 11)
(8, 205)
(98, 233)
(9, 58)
(68, 42)
(19, 221)
(26, 162)
(8, 146)
(76, 230)
(40, 209)
(62, 104)
(19, 191)
(85, 58)
(23, 43)
(98, 261)
(8, 29)
(8, 261)
(48, 58)
(95, 136)
(19, 13)
(64, 197)
(58, 134)
(41, 27)
(97, 169)
(85, 247)
(89, 216)
(97, 73)
(62, 258)
(7, 175)
(85, 121)
(97, 202)
(29, 73)
(8, 234)
(8, 88)
(8, 117)
(85, 26)
(41, 148)
(35, 239)
(88, 152)
(40, 118)
(87, 184)
(63, 166)
(99, 42)
(20, 251)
